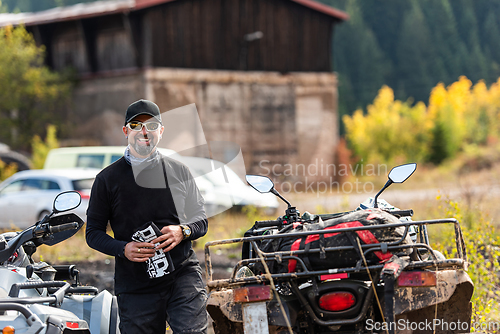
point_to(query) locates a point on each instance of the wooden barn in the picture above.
(259, 71)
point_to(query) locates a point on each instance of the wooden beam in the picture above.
(133, 27)
(88, 35)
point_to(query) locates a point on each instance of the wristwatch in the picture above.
(186, 231)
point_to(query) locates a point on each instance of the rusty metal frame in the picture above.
(460, 262)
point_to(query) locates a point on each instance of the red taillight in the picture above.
(72, 324)
(417, 278)
(337, 301)
(252, 294)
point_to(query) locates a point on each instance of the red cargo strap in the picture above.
(366, 236)
(334, 276)
(292, 264)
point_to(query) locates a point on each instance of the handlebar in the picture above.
(267, 223)
(401, 213)
(55, 299)
(63, 227)
(276, 223)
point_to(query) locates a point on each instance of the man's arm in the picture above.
(98, 239)
(97, 222)
(196, 218)
(98, 215)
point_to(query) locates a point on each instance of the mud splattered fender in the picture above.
(223, 301)
(414, 298)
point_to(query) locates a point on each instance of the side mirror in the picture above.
(398, 174)
(401, 173)
(66, 201)
(262, 184)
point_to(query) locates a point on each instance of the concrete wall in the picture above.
(280, 121)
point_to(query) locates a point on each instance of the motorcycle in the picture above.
(370, 270)
(36, 297)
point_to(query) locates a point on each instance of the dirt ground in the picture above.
(100, 273)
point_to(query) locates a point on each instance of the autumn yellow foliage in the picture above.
(41, 148)
(393, 131)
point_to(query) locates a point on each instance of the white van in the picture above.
(85, 156)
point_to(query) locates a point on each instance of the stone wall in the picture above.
(280, 121)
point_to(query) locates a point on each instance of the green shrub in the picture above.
(483, 254)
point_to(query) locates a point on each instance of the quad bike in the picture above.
(371, 270)
(40, 298)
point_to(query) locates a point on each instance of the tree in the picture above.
(419, 66)
(412, 46)
(360, 59)
(32, 95)
(448, 44)
(492, 44)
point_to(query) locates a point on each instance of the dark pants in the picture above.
(182, 304)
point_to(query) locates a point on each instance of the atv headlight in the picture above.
(244, 272)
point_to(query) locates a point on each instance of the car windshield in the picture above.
(14, 187)
(90, 160)
(83, 184)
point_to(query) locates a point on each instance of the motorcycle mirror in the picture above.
(398, 174)
(66, 201)
(262, 184)
(401, 173)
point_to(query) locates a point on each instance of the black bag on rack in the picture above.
(335, 259)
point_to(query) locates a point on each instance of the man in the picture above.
(139, 188)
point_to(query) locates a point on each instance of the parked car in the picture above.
(27, 196)
(11, 157)
(221, 192)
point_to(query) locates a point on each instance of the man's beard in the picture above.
(147, 149)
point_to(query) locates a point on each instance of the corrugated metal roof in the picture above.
(99, 8)
(77, 11)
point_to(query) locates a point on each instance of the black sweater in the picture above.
(128, 198)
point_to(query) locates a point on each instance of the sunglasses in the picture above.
(137, 126)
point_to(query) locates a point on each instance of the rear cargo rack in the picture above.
(459, 262)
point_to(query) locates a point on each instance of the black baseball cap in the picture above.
(142, 107)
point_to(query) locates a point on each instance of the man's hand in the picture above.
(171, 237)
(139, 251)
